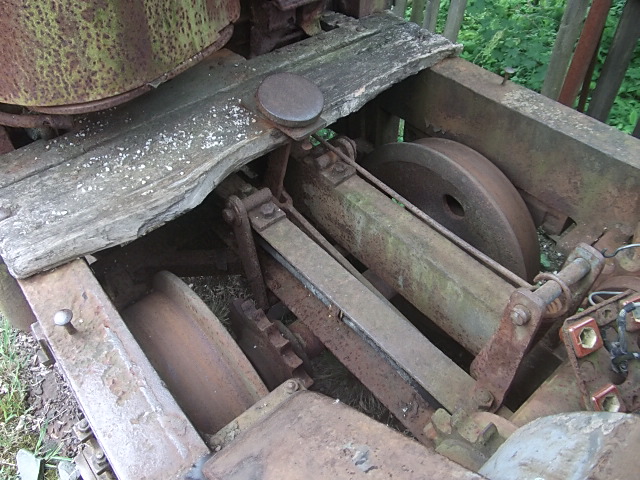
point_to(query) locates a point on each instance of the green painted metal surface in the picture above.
(76, 51)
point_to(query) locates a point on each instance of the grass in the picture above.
(13, 404)
(16, 432)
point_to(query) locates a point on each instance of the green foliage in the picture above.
(521, 34)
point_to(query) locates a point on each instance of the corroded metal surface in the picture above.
(445, 283)
(88, 51)
(319, 438)
(394, 391)
(398, 342)
(466, 193)
(203, 367)
(142, 430)
(290, 100)
(572, 163)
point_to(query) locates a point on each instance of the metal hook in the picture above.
(624, 247)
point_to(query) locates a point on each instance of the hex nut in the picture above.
(291, 386)
(268, 210)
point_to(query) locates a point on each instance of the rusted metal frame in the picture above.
(397, 340)
(13, 305)
(588, 76)
(490, 263)
(363, 360)
(587, 45)
(6, 145)
(446, 284)
(236, 214)
(497, 363)
(276, 170)
(130, 411)
(564, 159)
(59, 122)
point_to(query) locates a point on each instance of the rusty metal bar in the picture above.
(445, 283)
(587, 45)
(142, 430)
(489, 262)
(361, 358)
(398, 342)
(59, 122)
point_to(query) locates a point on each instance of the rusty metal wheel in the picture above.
(466, 193)
(203, 367)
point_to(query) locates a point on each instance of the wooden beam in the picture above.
(617, 62)
(568, 33)
(128, 171)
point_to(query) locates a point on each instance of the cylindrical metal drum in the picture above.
(73, 56)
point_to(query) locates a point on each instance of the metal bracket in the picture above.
(496, 365)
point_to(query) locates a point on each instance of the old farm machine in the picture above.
(223, 137)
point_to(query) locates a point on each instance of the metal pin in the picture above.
(62, 318)
(508, 71)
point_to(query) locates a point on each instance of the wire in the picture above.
(618, 250)
(600, 293)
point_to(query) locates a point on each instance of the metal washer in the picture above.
(290, 100)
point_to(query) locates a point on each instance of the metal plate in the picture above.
(290, 100)
(314, 437)
(203, 368)
(143, 432)
(466, 193)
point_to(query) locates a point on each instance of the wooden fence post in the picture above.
(454, 19)
(417, 12)
(617, 62)
(568, 34)
(431, 15)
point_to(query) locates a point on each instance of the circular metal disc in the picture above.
(466, 193)
(203, 367)
(290, 100)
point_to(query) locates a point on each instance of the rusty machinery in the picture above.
(415, 263)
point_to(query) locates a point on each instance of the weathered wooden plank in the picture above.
(128, 171)
(454, 19)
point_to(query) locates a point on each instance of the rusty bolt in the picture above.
(339, 167)
(508, 71)
(268, 210)
(291, 386)
(323, 161)
(5, 212)
(62, 318)
(83, 425)
(100, 457)
(483, 398)
(520, 315)
(229, 216)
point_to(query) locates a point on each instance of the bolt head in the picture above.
(339, 167)
(63, 317)
(483, 398)
(268, 210)
(291, 386)
(520, 315)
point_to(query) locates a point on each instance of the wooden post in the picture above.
(568, 33)
(399, 7)
(587, 45)
(417, 12)
(431, 15)
(454, 19)
(617, 62)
